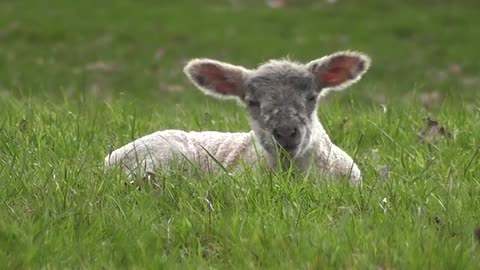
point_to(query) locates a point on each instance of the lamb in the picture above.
(280, 97)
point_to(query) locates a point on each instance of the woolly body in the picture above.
(281, 99)
(160, 149)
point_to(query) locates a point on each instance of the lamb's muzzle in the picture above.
(281, 99)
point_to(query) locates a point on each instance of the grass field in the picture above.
(78, 79)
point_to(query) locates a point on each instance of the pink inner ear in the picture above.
(212, 76)
(225, 88)
(340, 69)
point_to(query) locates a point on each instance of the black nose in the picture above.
(287, 137)
(285, 132)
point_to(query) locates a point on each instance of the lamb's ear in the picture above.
(339, 70)
(217, 78)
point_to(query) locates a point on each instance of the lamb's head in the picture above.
(280, 96)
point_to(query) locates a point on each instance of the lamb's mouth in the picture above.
(291, 149)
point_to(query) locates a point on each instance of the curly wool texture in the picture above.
(160, 149)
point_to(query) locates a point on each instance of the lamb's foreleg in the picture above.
(342, 165)
(335, 161)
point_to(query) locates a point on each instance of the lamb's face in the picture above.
(280, 96)
(281, 99)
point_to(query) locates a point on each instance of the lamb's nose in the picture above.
(285, 133)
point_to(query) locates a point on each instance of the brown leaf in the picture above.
(433, 132)
(477, 233)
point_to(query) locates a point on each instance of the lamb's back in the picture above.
(161, 149)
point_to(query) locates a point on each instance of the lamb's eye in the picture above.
(312, 98)
(252, 103)
(301, 83)
(304, 84)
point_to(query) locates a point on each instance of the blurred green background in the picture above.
(138, 48)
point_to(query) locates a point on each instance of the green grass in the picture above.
(61, 114)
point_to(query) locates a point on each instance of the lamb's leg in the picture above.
(342, 165)
(334, 161)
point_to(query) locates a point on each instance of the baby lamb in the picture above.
(281, 99)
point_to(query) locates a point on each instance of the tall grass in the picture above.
(77, 81)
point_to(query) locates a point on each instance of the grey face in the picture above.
(281, 99)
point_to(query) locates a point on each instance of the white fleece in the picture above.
(161, 149)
